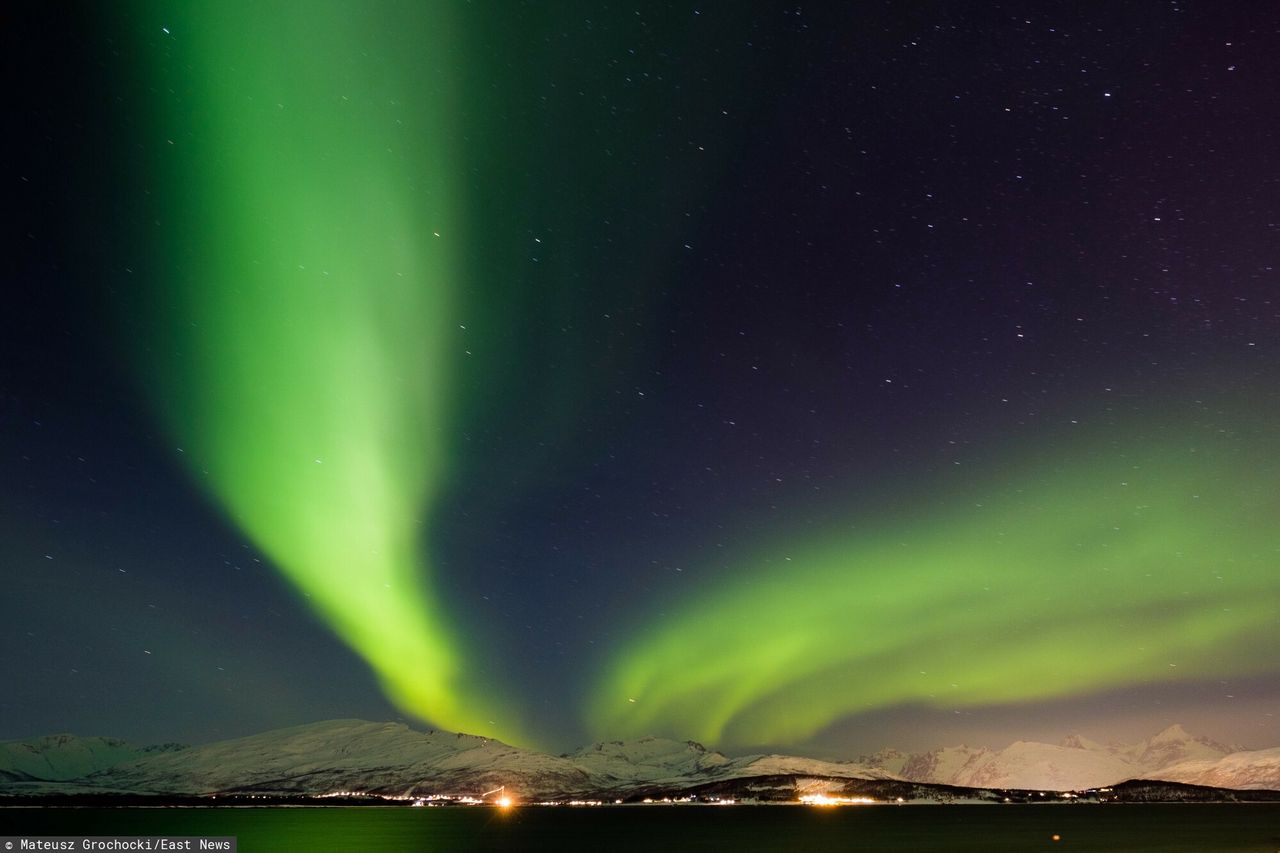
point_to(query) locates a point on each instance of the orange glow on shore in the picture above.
(829, 800)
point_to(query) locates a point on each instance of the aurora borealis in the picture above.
(766, 376)
(310, 383)
(1109, 566)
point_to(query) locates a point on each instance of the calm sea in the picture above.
(1193, 828)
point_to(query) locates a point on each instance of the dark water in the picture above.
(1193, 828)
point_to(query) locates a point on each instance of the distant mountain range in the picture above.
(357, 758)
(1078, 763)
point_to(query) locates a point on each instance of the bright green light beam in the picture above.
(1103, 570)
(300, 354)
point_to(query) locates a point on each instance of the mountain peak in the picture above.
(1078, 741)
(1174, 732)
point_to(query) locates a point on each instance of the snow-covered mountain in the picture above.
(349, 755)
(648, 760)
(1257, 769)
(655, 761)
(1174, 744)
(391, 759)
(66, 757)
(1077, 763)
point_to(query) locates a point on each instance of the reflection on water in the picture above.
(1192, 828)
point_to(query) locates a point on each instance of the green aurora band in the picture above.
(1099, 570)
(299, 351)
(304, 353)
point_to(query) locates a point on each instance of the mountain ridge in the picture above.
(393, 760)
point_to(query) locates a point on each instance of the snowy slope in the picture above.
(1043, 766)
(1256, 769)
(656, 760)
(648, 759)
(790, 765)
(935, 766)
(64, 757)
(1174, 745)
(1075, 764)
(392, 759)
(350, 755)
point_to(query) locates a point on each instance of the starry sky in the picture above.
(779, 376)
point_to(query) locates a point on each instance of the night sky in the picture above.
(816, 378)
